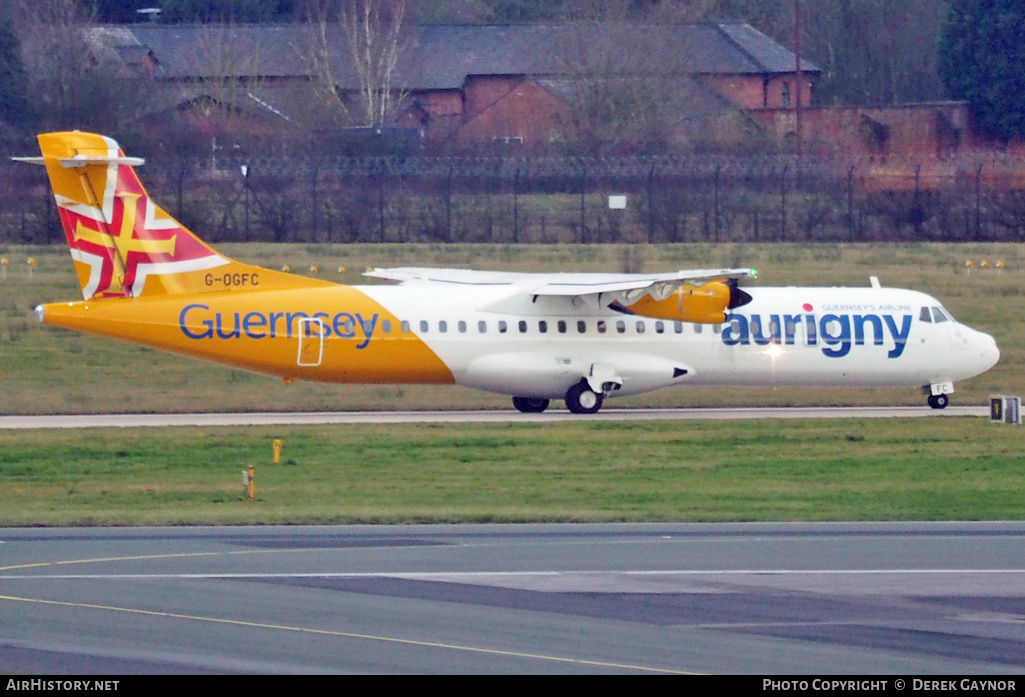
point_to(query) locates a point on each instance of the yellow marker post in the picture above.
(276, 445)
(968, 265)
(251, 488)
(31, 264)
(313, 269)
(3, 264)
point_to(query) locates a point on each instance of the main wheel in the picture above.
(939, 401)
(530, 405)
(581, 399)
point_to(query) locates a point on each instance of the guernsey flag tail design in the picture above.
(123, 244)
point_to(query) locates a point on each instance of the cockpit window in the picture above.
(924, 315)
(938, 315)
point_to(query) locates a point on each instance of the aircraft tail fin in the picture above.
(123, 244)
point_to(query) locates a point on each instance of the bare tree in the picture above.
(372, 36)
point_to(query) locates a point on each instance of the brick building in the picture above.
(470, 85)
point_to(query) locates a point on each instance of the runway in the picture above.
(475, 416)
(901, 599)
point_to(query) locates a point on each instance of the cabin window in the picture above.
(523, 326)
(406, 329)
(621, 326)
(442, 326)
(423, 326)
(660, 328)
(678, 327)
(716, 328)
(542, 326)
(482, 327)
(938, 315)
(562, 326)
(640, 327)
(581, 326)
(698, 328)
(386, 326)
(602, 326)
(502, 326)
(925, 316)
(462, 327)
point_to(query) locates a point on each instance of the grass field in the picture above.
(873, 469)
(916, 469)
(45, 370)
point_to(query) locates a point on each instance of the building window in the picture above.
(785, 95)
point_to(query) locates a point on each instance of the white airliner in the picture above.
(581, 338)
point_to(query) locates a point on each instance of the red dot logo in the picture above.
(807, 307)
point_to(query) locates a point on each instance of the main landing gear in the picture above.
(581, 399)
(530, 405)
(938, 401)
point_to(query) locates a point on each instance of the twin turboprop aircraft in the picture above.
(581, 338)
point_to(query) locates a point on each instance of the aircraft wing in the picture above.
(561, 284)
(705, 293)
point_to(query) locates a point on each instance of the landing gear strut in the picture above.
(938, 401)
(581, 399)
(530, 405)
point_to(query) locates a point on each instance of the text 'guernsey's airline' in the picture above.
(581, 338)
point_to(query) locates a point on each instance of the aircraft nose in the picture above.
(988, 351)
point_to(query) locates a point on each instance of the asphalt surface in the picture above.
(475, 416)
(897, 599)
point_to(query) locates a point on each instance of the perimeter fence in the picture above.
(695, 198)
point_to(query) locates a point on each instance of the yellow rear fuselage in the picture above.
(333, 333)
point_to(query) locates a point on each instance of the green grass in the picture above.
(872, 469)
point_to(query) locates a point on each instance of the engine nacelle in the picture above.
(706, 304)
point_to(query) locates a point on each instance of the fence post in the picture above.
(715, 197)
(978, 202)
(783, 205)
(448, 204)
(516, 206)
(651, 203)
(380, 202)
(583, 199)
(850, 204)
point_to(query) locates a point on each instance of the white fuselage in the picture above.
(502, 340)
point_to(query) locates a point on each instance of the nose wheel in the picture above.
(939, 401)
